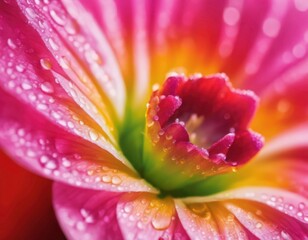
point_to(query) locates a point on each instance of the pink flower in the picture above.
(76, 78)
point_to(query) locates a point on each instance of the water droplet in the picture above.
(128, 207)
(88, 217)
(299, 51)
(42, 106)
(301, 5)
(106, 179)
(140, 225)
(285, 235)
(116, 180)
(93, 135)
(30, 12)
(231, 16)
(71, 28)
(150, 123)
(80, 226)
(47, 87)
(57, 18)
(48, 163)
(11, 44)
(201, 210)
(301, 206)
(64, 63)
(259, 225)
(66, 162)
(53, 44)
(31, 153)
(160, 221)
(21, 132)
(20, 68)
(45, 63)
(26, 86)
(271, 27)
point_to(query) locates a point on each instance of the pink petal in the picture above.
(80, 48)
(266, 223)
(23, 74)
(86, 214)
(48, 150)
(264, 212)
(210, 221)
(285, 100)
(128, 36)
(196, 226)
(283, 52)
(291, 204)
(288, 158)
(145, 216)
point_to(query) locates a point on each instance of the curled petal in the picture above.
(196, 127)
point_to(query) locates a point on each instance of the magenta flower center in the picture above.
(198, 127)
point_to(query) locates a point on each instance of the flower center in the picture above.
(197, 128)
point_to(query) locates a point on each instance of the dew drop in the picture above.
(299, 214)
(53, 44)
(259, 225)
(57, 18)
(299, 51)
(26, 86)
(31, 153)
(231, 16)
(20, 68)
(80, 226)
(116, 180)
(301, 5)
(106, 179)
(301, 205)
(45, 63)
(42, 106)
(71, 28)
(30, 12)
(201, 210)
(66, 162)
(48, 163)
(285, 235)
(47, 87)
(271, 27)
(160, 221)
(64, 63)
(93, 135)
(11, 44)
(128, 207)
(150, 123)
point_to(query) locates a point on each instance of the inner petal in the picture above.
(197, 127)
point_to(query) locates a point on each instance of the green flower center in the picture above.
(193, 135)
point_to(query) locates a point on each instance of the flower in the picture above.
(75, 80)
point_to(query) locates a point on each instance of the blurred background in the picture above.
(26, 211)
